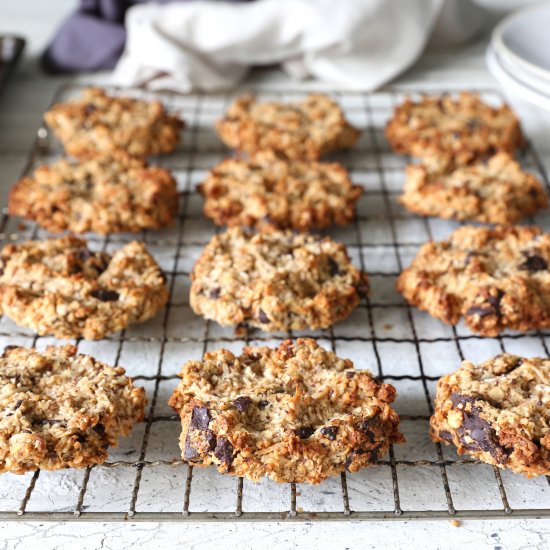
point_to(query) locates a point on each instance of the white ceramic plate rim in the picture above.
(509, 82)
(501, 48)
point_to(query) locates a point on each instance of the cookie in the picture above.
(62, 410)
(296, 413)
(304, 130)
(463, 128)
(266, 191)
(496, 279)
(275, 281)
(496, 191)
(105, 194)
(100, 123)
(497, 412)
(60, 287)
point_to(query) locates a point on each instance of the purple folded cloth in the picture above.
(92, 38)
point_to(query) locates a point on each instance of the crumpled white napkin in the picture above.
(353, 44)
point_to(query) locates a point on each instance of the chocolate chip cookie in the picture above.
(462, 127)
(100, 123)
(495, 190)
(496, 279)
(105, 194)
(60, 287)
(266, 191)
(303, 130)
(275, 281)
(296, 413)
(498, 412)
(62, 410)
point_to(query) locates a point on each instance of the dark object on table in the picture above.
(11, 48)
(92, 38)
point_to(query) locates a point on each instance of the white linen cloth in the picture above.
(205, 45)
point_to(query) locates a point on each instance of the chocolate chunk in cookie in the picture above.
(485, 276)
(497, 412)
(60, 410)
(275, 281)
(304, 419)
(60, 287)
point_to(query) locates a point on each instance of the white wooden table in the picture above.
(21, 107)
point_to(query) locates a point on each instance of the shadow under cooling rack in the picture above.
(144, 479)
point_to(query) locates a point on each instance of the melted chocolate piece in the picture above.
(447, 436)
(242, 403)
(305, 432)
(224, 451)
(367, 426)
(534, 263)
(189, 452)
(89, 108)
(105, 295)
(262, 317)
(479, 430)
(200, 418)
(214, 294)
(263, 404)
(333, 267)
(491, 306)
(210, 439)
(329, 432)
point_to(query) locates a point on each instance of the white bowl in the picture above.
(532, 106)
(522, 42)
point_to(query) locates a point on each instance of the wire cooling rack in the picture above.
(144, 478)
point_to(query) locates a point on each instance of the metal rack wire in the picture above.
(145, 480)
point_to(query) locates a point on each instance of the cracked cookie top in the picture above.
(267, 191)
(498, 412)
(109, 193)
(100, 123)
(61, 287)
(496, 279)
(275, 281)
(462, 127)
(296, 413)
(495, 190)
(303, 130)
(59, 409)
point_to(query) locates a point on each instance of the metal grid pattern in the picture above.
(144, 479)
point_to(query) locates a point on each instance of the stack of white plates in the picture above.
(519, 54)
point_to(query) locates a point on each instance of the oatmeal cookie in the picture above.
(305, 130)
(296, 413)
(275, 281)
(100, 123)
(60, 287)
(496, 279)
(463, 128)
(62, 410)
(497, 412)
(267, 191)
(493, 191)
(105, 194)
